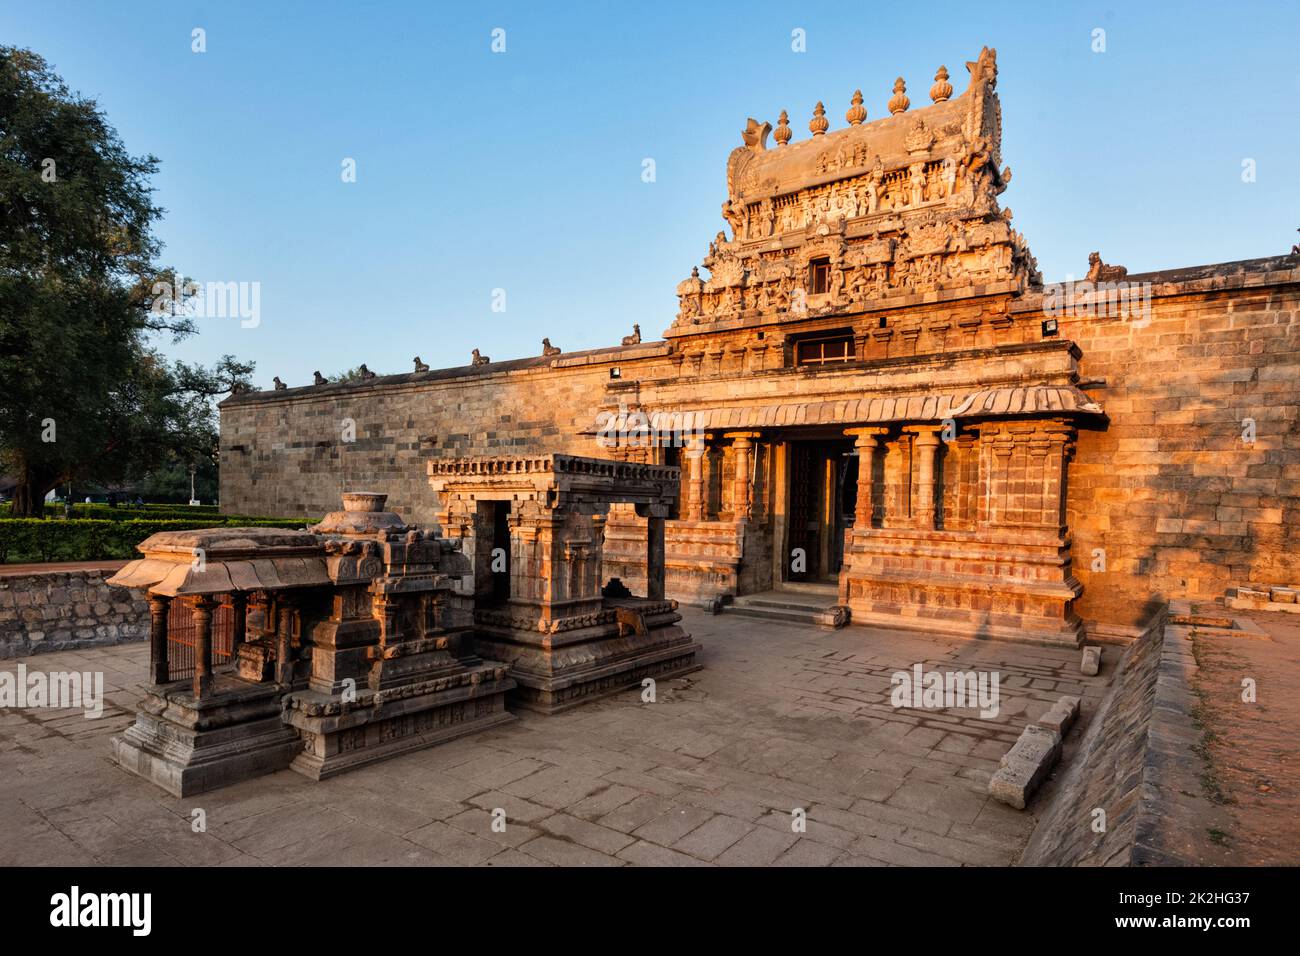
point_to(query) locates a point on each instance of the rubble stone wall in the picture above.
(62, 610)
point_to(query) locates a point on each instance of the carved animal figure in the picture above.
(548, 348)
(629, 622)
(1098, 271)
(420, 366)
(365, 373)
(479, 359)
(1295, 250)
(279, 385)
(320, 379)
(634, 338)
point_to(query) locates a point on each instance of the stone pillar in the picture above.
(927, 447)
(742, 443)
(203, 608)
(694, 510)
(654, 560)
(284, 642)
(239, 615)
(159, 607)
(866, 442)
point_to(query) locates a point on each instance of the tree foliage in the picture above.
(84, 393)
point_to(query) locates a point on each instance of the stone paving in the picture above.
(782, 717)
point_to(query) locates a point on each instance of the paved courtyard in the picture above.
(781, 718)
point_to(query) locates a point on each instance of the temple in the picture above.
(880, 412)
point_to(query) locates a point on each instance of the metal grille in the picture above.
(180, 637)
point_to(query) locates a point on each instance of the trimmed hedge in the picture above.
(36, 539)
(165, 512)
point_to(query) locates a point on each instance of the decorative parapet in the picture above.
(556, 481)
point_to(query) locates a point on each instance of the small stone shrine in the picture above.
(534, 527)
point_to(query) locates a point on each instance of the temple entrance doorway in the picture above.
(822, 491)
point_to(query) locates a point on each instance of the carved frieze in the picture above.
(902, 205)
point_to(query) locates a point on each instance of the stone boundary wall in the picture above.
(1137, 763)
(1182, 507)
(64, 610)
(1179, 506)
(286, 457)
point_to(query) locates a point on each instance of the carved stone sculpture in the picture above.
(477, 359)
(319, 378)
(420, 366)
(1098, 271)
(279, 385)
(548, 348)
(635, 337)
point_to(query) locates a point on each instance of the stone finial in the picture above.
(783, 130)
(899, 102)
(857, 112)
(819, 124)
(942, 89)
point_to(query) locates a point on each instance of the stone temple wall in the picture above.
(62, 610)
(1178, 504)
(288, 458)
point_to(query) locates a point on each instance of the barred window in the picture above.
(824, 351)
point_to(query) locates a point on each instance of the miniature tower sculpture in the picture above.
(386, 675)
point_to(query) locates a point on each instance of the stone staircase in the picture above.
(790, 603)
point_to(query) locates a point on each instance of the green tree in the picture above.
(84, 394)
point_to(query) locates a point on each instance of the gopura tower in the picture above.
(885, 437)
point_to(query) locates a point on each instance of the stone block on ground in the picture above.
(1025, 766)
(1061, 717)
(1090, 666)
(833, 617)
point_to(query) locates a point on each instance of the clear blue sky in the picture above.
(522, 170)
